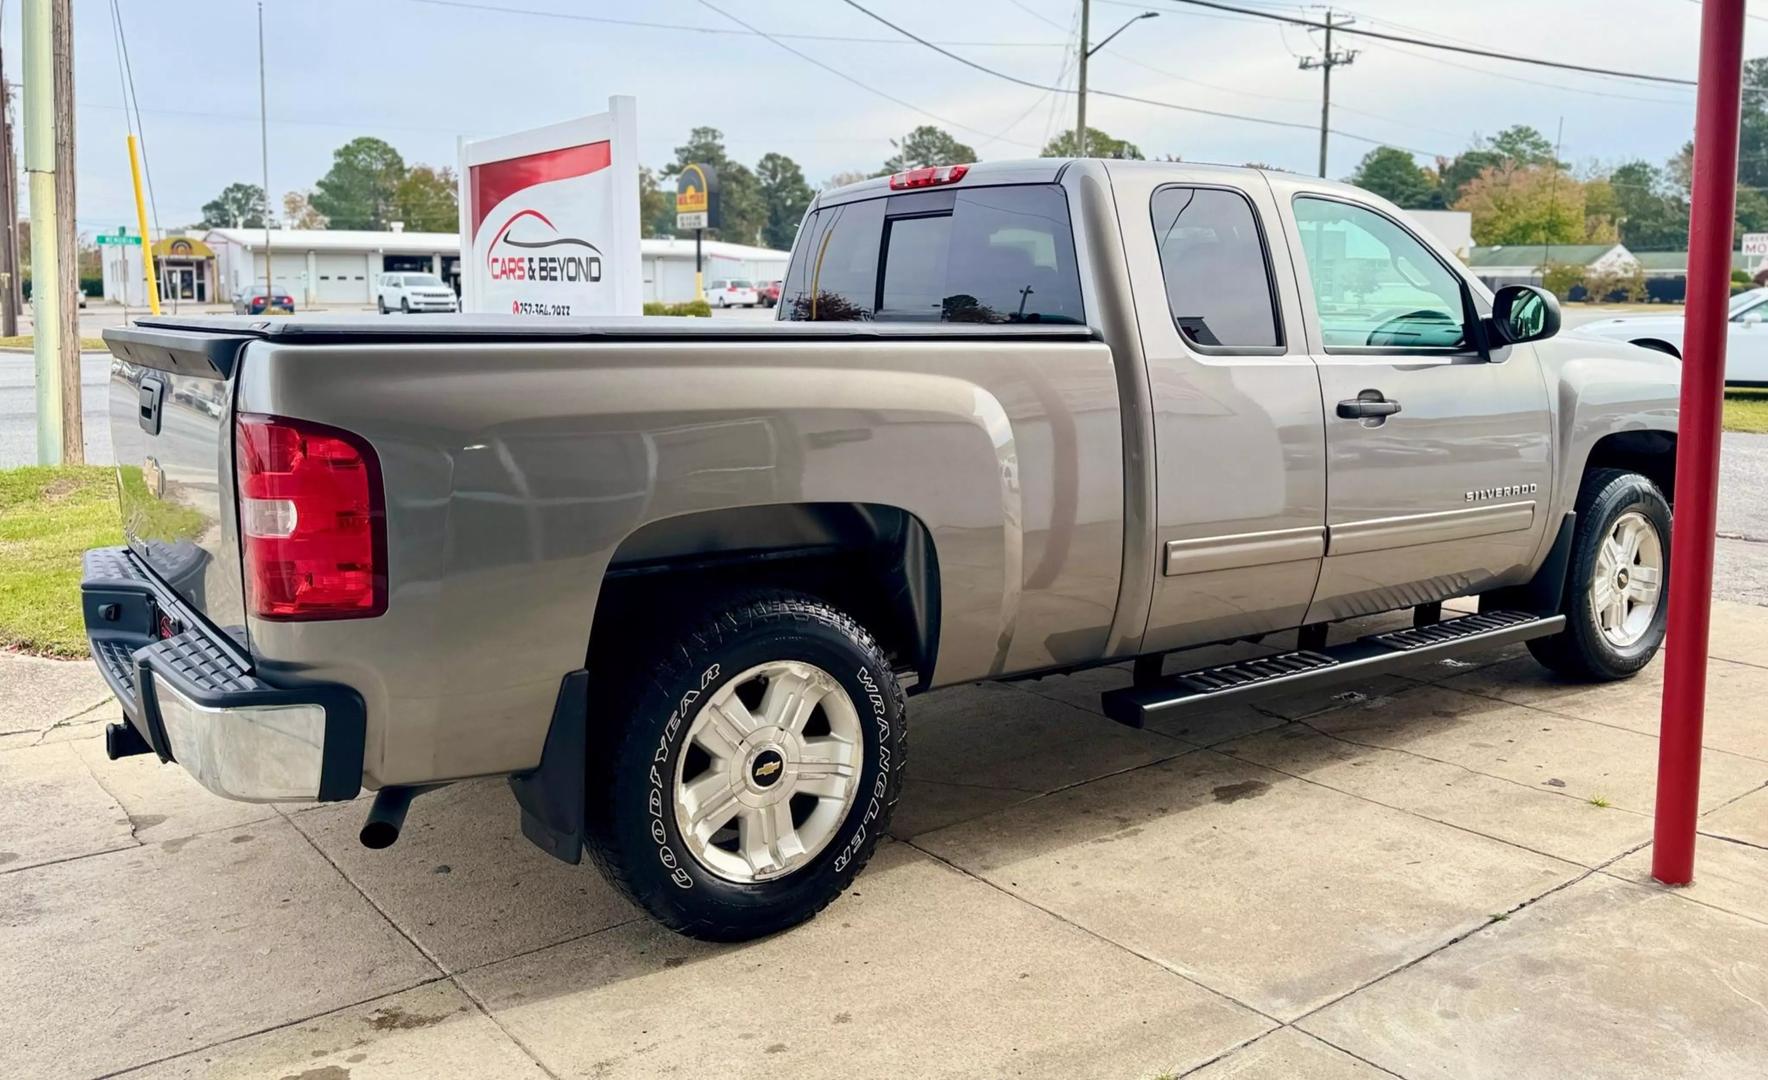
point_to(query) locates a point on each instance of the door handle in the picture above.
(153, 393)
(1367, 405)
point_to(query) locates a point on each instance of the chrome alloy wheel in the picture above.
(768, 771)
(1628, 579)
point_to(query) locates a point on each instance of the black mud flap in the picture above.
(1545, 593)
(551, 794)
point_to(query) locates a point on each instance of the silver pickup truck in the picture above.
(675, 578)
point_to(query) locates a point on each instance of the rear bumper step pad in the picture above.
(1269, 676)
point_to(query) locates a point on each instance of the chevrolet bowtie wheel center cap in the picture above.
(765, 768)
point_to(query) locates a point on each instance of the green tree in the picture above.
(1651, 215)
(1392, 174)
(1099, 145)
(656, 207)
(427, 201)
(239, 206)
(1520, 204)
(784, 197)
(924, 146)
(361, 191)
(1522, 145)
(739, 194)
(1454, 174)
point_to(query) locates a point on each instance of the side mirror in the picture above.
(1524, 313)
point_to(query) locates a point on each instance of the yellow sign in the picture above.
(181, 247)
(691, 199)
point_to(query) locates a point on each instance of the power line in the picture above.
(130, 99)
(967, 62)
(1470, 50)
(849, 78)
(1684, 103)
(748, 31)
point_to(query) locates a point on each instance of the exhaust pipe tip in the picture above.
(387, 816)
(376, 835)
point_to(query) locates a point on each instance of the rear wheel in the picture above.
(405, 305)
(755, 765)
(380, 303)
(1615, 601)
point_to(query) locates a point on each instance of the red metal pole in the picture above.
(1717, 105)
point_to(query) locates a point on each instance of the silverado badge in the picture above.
(1511, 491)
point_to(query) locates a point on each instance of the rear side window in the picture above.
(984, 255)
(1212, 257)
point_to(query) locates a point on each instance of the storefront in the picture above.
(186, 269)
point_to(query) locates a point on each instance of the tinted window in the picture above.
(914, 252)
(1218, 285)
(1375, 284)
(994, 255)
(834, 271)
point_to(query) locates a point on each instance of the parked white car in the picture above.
(409, 292)
(1746, 350)
(732, 293)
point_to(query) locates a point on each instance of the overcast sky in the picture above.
(418, 73)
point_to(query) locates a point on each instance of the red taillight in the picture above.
(257, 299)
(930, 176)
(312, 518)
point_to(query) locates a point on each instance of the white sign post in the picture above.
(1755, 249)
(549, 218)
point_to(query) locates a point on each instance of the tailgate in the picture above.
(171, 407)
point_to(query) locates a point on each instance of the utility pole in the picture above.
(1326, 62)
(39, 92)
(264, 150)
(11, 287)
(1086, 53)
(73, 428)
(1080, 120)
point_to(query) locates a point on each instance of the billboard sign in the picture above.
(1755, 245)
(696, 198)
(549, 218)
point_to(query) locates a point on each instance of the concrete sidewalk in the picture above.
(1437, 876)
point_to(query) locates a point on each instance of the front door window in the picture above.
(1375, 285)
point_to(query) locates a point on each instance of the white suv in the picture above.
(724, 293)
(414, 292)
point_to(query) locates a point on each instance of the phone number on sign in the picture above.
(525, 307)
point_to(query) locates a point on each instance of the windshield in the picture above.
(742, 284)
(1745, 299)
(422, 279)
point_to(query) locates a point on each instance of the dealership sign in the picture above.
(696, 198)
(1755, 245)
(549, 218)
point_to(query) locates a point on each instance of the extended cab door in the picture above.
(1438, 458)
(1240, 472)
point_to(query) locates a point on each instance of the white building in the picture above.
(321, 267)
(1452, 228)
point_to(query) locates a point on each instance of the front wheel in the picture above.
(751, 765)
(1615, 601)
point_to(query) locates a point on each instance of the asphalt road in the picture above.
(18, 408)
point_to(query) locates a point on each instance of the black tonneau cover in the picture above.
(370, 328)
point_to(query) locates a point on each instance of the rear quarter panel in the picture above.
(514, 471)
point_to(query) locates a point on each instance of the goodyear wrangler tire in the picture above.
(1615, 589)
(746, 774)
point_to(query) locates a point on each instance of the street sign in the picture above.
(1755, 245)
(109, 239)
(696, 220)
